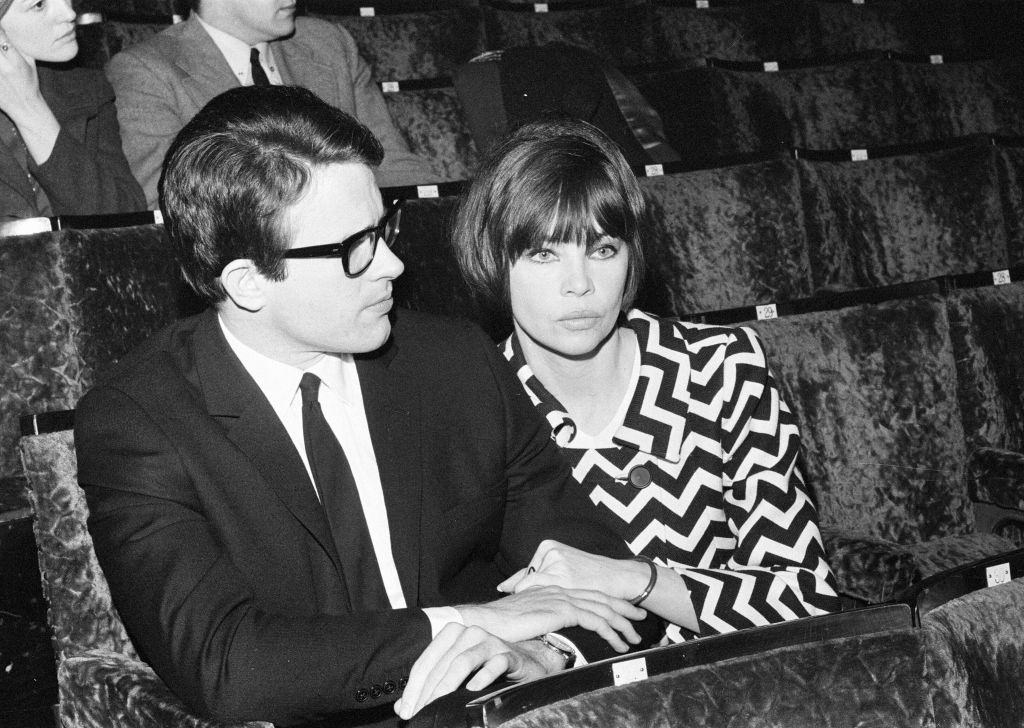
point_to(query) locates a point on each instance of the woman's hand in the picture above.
(555, 564)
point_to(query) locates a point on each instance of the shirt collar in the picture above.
(664, 441)
(280, 381)
(235, 51)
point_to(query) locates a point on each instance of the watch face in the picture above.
(558, 644)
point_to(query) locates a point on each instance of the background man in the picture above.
(256, 583)
(162, 82)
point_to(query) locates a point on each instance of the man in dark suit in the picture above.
(258, 585)
(163, 81)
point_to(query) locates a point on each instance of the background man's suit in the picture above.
(162, 82)
(219, 554)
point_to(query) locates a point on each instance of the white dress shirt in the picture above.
(236, 53)
(341, 401)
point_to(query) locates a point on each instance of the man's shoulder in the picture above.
(160, 48)
(162, 356)
(319, 37)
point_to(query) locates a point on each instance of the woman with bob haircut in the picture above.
(677, 431)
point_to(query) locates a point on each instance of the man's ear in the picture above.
(244, 284)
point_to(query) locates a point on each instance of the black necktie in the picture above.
(259, 76)
(340, 499)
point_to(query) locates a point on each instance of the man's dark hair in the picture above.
(238, 164)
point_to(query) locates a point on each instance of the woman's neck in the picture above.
(591, 387)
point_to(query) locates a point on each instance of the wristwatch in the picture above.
(560, 647)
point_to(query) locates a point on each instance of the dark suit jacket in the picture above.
(163, 81)
(218, 553)
(86, 173)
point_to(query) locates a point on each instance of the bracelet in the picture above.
(636, 601)
(567, 655)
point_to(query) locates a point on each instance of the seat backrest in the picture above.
(1010, 159)
(71, 304)
(880, 220)
(431, 120)
(403, 45)
(870, 675)
(619, 32)
(726, 237)
(748, 32)
(987, 332)
(874, 389)
(902, 26)
(81, 612)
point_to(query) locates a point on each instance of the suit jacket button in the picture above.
(390, 687)
(361, 695)
(376, 691)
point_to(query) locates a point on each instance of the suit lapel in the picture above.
(250, 423)
(394, 413)
(204, 65)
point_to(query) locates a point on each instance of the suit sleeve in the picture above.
(90, 176)
(400, 166)
(545, 502)
(778, 569)
(189, 610)
(148, 113)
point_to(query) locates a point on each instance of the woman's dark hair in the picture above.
(235, 168)
(550, 180)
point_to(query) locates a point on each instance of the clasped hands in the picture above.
(559, 589)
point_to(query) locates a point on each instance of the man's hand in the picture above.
(543, 609)
(457, 652)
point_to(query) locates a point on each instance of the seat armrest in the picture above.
(106, 689)
(868, 568)
(996, 477)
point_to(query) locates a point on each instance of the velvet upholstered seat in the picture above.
(102, 682)
(72, 303)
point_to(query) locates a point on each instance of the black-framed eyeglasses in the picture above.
(357, 250)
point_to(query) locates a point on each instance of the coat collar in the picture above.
(658, 378)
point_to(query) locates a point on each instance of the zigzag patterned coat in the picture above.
(726, 507)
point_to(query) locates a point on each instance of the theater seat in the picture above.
(410, 41)
(101, 679)
(1010, 158)
(855, 668)
(880, 217)
(903, 26)
(430, 118)
(617, 30)
(73, 301)
(725, 237)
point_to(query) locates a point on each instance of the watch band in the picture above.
(568, 656)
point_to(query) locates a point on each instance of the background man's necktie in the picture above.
(340, 499)
(259, 76)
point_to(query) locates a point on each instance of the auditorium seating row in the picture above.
(909, 397)
(406, 39)
(946, 653)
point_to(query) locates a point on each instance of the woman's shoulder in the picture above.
(74, 88)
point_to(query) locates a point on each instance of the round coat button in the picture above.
(639, 477)
(390, 687)
(361, 695)
(403, 681)
(376, 691)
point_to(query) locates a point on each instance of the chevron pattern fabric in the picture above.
(726, 507)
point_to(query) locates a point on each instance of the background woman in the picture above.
(60, 150)
(677, 431)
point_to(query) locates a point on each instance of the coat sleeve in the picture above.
(777, 570)
(192, 614)
(89, 175)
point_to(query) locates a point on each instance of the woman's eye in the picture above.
(541, 256)
(605, 251)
